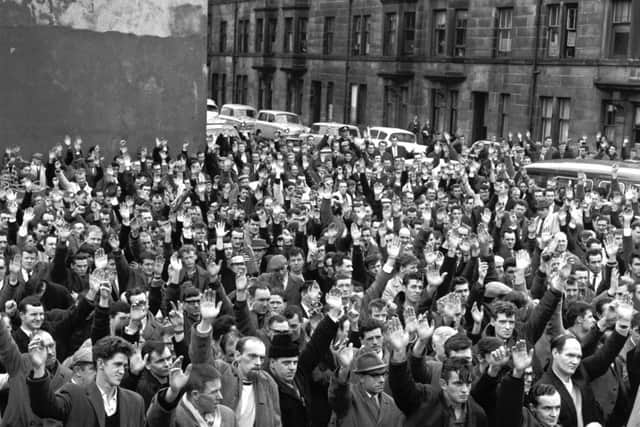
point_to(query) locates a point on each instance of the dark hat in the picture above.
(283, 346)
(369, 363)
(344, 129)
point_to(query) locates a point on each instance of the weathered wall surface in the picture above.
(101, 69)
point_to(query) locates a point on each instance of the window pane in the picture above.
(622, 12)
(440, 31)
(461, 32)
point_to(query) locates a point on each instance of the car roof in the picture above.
(277, 112)
(238, 106)
(626, 170)
(389, 130)
(333, 124)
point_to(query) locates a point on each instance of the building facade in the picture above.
(481, 67)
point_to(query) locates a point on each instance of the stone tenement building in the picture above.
(483, 67)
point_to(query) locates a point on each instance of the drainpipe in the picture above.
(234, 54)
(347, 66)
(534, 67)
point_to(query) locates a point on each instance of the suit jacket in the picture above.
(591, 367)
(78, 406)
(353, 407)
(402, 152)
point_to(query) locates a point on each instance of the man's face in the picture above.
(113, 369)
(414, 290)
(462, 289)
(547, 409)
(509, 240)
(189, 259)
(568, 360)
(373, 383)
(32, 317)
(455, 388)
(237, 239)
(635, 267)
(276, 303)
(28, 260)
(50, 245)
(95, 238)
(588, 321)
(345, 267)
(295, 327)
(345, 286)
(85, 374)
(572, 291)
(372, 340)
(228, 250)
(595, 263)
(206, 400)
(3, 244)
(50, 347)
(160, 364)
(252, 357)
(284, 368)
(504, 325)
(296, 263)
(261, 301)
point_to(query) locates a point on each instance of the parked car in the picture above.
(597, 172)
(270, 121)
(218, 127)
(406, 138)
(212, 110)
(243, 117)
(318, 130)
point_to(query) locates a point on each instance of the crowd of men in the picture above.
(257, 282)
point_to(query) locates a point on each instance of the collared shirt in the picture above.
(110, 402)
(454, 420)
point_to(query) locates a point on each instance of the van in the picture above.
(598, 172)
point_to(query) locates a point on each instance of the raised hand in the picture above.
(214, 268)
(424, 329)
(100, 259)
(520, 356)
(241, 282)
(37, 353)
(28, 215)
(394, 248)
(209, 310)
(397, 337)
(346, 355)
(523, 260)
(63, 231)
(611, 245)
(175, 262)
(136, 361)
(312, 244)
(176, 317)
(434, 278)
(410, 320)
(125, 212)
(178, 378)
(499, 357)
(220, 230)
(356, 234)
(477, 313)
(483, 269)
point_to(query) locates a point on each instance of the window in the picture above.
(357, 103)
(553, 30)
(439, 110)
(546, 116)
(439, 32)
(265, 91)
(562, 30)
(288, 35)
(453, 112)
(221, 96)
(503, 114)
(564, 117)
(327, 39)
(259, 35)
(294, 94)
(409, 33)
(356, 36)
(301, 35)
(222, 47)
(395, 106)
(613, 120)
(390, 34)
(460, 41)
(360, 35)
(243, 36)
(620, 27)
(503, 31)
(329, 102)
(241, 89)
(270, 37)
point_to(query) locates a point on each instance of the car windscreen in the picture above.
(287, 118)
(404, 137)
(245, 113)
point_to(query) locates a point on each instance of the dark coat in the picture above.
(425, 405)
(292, 293)
(295, 407)
(590, 368)
(511, 403)
(78, 406)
